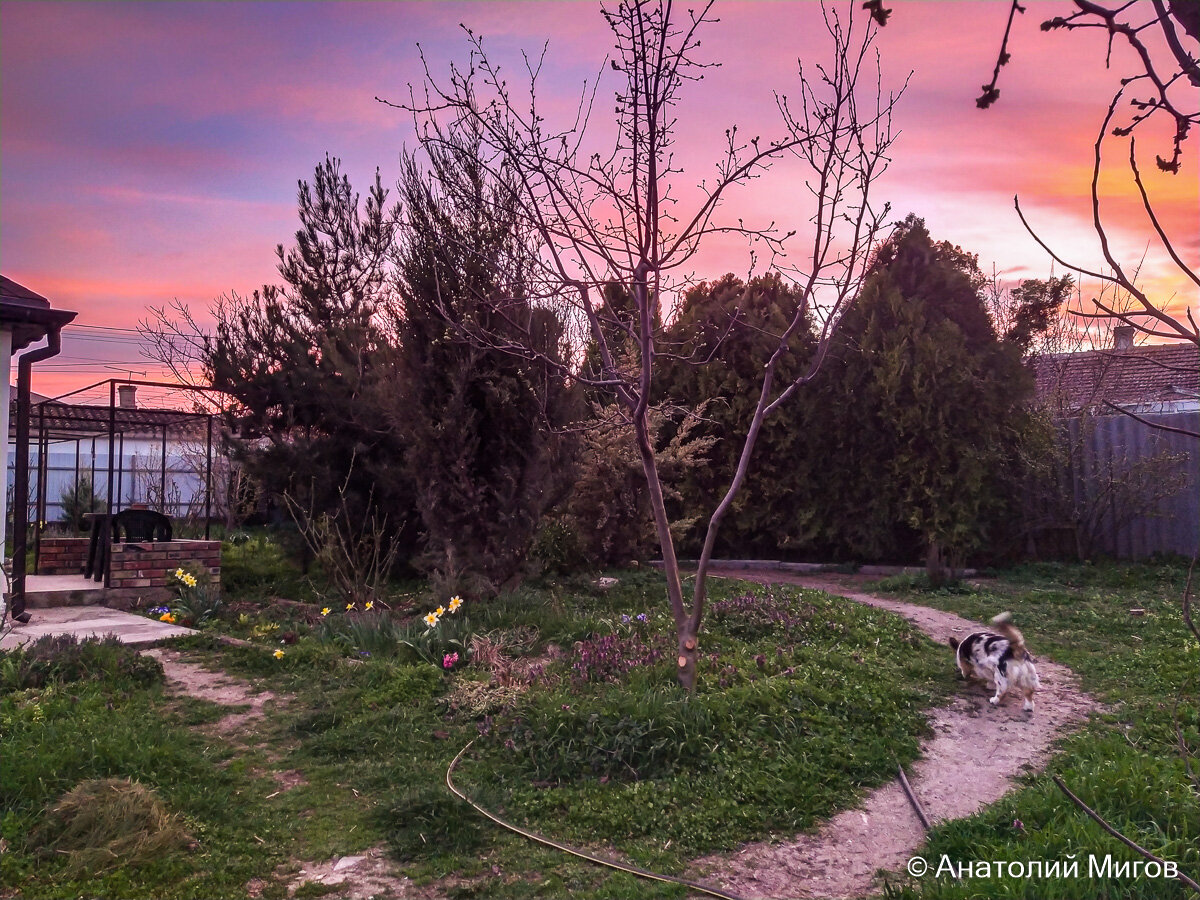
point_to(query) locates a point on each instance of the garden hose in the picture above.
(582, 854)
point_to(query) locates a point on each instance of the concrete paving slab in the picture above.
(40, 584)
(91, 621)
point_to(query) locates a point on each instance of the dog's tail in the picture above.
(1003, 624)
(953, 642)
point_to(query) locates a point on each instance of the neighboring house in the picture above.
(1155, 378)
(1129, 419)
(159, 455)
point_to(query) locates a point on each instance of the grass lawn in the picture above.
(1126, 764)
(579, 730)
(580, 734)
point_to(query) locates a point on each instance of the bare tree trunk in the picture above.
(684, 622)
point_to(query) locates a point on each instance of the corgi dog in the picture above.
(1000, 658)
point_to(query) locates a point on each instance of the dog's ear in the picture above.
(953, 642)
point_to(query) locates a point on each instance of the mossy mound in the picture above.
(108, 823)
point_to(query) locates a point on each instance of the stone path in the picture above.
(90, 621)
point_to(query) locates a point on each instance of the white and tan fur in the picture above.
(999, 658)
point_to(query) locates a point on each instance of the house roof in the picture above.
(1149, 374)
(28, 314)
(67, 420)
(34, 396)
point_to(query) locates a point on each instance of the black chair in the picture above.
(140, 525)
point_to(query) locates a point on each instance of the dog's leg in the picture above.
(1028, 707)
(1001, 688)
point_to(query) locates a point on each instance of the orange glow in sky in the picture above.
(151, 151)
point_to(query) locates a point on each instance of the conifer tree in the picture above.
(481, 425)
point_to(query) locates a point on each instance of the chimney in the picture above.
(1123, 337)
(127, 396)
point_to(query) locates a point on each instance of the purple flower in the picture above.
(449, 660)
(641, 617)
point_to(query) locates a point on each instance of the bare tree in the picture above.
(624, 216)
(1164, 37)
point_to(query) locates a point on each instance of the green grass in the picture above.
(790, 724)
(1125, 763)
(60, 735)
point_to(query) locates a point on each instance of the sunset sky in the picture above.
(151, 152)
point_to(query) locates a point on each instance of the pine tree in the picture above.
(304, 361)
(480, 424)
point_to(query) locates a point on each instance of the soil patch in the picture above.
(971, 760)
(362, 877)
(216, 687)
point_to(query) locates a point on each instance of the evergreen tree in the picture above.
(303, 361)
(925, 407)
(724, 335)
(479, 422)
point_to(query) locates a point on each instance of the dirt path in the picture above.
(216, 687)
(971, 761)
(367, 875)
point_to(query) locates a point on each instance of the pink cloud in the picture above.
(152, 151)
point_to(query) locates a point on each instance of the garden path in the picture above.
(367, 875)
(972, 759)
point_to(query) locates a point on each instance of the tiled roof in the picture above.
(70, 419)
(1151, 373)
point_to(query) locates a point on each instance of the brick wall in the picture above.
(62, 556)
(146, 570)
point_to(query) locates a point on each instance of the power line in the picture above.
(74, 327)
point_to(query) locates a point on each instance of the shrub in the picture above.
(64, 658)
(77, 500)
(558, 548)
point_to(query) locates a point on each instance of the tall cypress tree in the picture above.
(479, 421)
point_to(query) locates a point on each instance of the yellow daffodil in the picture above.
(325, 611)
(349, 606)
(278, 654)
(370, 604)
(189, 580)
(431, 619)
(179, 574)
(440, 611)
(455, 603)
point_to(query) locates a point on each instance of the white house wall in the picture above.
(184, 475)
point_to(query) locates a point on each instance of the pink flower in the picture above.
(449, 660)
